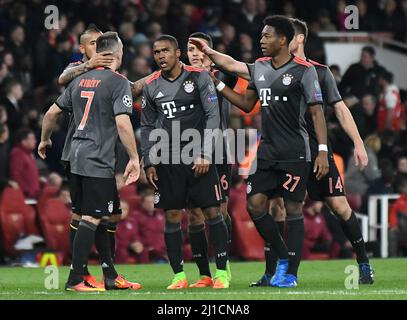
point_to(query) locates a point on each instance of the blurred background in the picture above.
(369, 65)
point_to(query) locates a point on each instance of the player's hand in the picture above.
(42, 148)
(132, 172)
(201, 45)
(151, 175)
(137, 247)
(201, 166)
(101, 59)
(321, 165)
(360, 155)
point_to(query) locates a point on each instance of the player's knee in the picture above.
(211, 213)
(173, 216)
(292, 206)
(224, 210)
(196, 217)
(340, 207)
(76, 217)
(255, 210)
(92, 220)
(114, 218)
(277, 209)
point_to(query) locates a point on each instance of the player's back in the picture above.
(97, 97)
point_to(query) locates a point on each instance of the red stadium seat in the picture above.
(55, 219)
(128, 192)
(247, 242)
(47, 193)
(16, 218)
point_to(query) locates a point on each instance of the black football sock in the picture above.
(267, 228)
(73, 227)
(219, 239)
(352, 231)
(228, 222)
(173, 241)
(102, 243)
(199, 246)
(295, 241)
(111, 229)
(270, 254)
(84, 239)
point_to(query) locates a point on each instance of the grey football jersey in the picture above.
(190, 100)
(96, 98)
(71, 125)
(331, 95)
(285, 93)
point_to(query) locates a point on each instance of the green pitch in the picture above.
(318, 280)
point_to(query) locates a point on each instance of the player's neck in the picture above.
(282, 58)
(300, 53)
(174, 72)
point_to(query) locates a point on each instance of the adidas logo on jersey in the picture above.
(159, 95)
(262, 78)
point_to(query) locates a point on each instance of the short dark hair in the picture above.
(300, 27)
(22, 134)
(370, 50)
(108, 41)
(282, 25)
(92, 28)
(169, 38)
(203, 36)
(10, 84)
(387, 76)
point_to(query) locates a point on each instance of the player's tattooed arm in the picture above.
(244, 102)
(101, 59)
(321, 165)
(49, 123)
(137, 87)
(224, 61)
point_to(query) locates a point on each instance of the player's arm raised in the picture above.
(345, 118)
(221, 60)
(313, 97)
(101, 59)
(148, 119)
(244, 102)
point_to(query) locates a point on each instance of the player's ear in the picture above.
(82, 48)
(300, 38)
(178, 53)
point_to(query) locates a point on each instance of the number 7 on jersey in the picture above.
(89, 97)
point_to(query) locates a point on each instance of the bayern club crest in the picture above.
(287, 78)
(249, 187)
(156, 197)
(189, 86)
(110, 206)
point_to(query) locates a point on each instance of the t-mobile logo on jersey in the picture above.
(265, 96)
(170, 108)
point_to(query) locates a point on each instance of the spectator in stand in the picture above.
(391, 20)
(317, 236)
(401, 173)
(65, 195)
(364, 114)
(314, 47)
(391, 114)
(139, 68)
(357, 181)
(129, 245)
(398, 221)
(361, 77)
(23, 168)
(336, 72)
(14, 94)
(325, 21)
(4, 155)
(150, 223)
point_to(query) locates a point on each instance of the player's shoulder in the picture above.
(154, 76)
(193, 69)
(317, 64)
(262, 61)
(302, 62)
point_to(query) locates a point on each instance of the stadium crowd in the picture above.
(32, 58)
